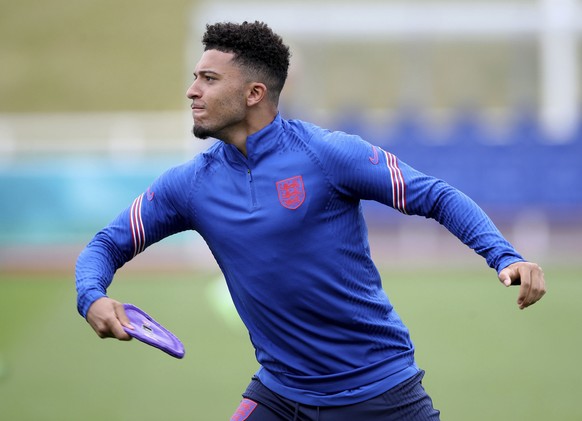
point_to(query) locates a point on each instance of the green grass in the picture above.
(485, 359)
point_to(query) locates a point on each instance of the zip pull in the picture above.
(252, 188)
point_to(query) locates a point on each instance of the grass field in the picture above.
(485, 359)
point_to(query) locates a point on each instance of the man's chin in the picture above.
(201, 132)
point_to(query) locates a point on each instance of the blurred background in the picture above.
(484, 94)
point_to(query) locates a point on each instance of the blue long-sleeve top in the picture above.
(285, 225)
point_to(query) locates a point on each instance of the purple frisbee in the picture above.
(150, 332)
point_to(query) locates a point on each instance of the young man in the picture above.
(278, 203)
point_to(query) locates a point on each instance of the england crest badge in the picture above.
(291, 192)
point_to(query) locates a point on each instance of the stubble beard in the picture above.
(204, 133)
(232, 114)
(220, 131)
(201, 132)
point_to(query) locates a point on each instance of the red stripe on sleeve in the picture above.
(398, 184)
(137, 228)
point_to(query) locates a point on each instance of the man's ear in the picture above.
(256, 93)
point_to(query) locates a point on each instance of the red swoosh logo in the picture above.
(374, 159)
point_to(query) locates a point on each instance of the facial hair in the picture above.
(232, 113)
(201, 132)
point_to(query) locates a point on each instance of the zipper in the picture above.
(252, 188)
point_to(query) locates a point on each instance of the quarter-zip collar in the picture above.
(258, 144)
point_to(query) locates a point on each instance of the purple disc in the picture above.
(148, 331)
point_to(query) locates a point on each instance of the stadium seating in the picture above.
(506, 172)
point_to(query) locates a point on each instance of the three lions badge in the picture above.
(291, 192)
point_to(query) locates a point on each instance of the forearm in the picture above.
(469, 223)
(94, 271)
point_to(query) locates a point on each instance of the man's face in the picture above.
(218, 96)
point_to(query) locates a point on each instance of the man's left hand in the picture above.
(529, 277)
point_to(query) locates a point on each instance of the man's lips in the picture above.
(197, 110)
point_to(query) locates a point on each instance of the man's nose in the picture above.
(193, 91)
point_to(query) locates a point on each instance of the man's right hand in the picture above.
(107, 318)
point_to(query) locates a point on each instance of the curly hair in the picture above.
(256, 48)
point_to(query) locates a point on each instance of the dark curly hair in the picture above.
(256, 48)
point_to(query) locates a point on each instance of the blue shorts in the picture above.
(407, 401)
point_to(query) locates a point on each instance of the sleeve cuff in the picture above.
(85, 300)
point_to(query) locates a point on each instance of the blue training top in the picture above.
(285, 225)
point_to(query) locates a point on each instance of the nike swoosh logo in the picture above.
(150, 195)
(374, 159)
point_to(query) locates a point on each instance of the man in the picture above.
(278, 203)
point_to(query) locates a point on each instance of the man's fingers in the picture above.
(530, 277)
(509, 276)
(106, 317)
(122, 316)
(505, 279)
(122, 321)
(525, 287)
(111, 328)
(537, 286)
(119, 332)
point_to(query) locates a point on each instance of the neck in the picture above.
(253, 123)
